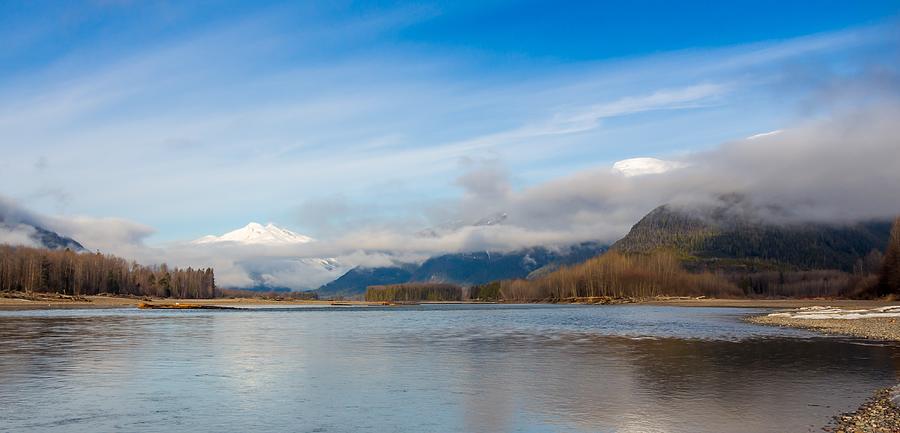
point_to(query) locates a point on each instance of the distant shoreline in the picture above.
(48, 301)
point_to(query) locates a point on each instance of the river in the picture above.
(430, 368)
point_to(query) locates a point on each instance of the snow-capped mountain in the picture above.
(258, 234)
(285, 265)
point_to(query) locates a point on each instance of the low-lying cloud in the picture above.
(841, 164)
(838, 169)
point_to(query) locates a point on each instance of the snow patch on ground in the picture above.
(819, 313)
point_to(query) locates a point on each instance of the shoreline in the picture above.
(49, 301)
(872, 328)
(884, 329)
(879, 413)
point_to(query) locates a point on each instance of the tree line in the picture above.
(412, 292)
(26, 269)
(889, 278)
(614, 274)
(274, 295)
(485, 292)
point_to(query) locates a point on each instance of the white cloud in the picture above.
(192, 126)
(17, 234)
(641, 166)
(190, 137)
(838, 169)
(764, 134)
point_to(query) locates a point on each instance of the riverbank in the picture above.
(767, 303)
(21, 301)
(879, 414)
(878, 323)
(51, 301)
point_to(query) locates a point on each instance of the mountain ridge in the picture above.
(725, 236)
(467, 268)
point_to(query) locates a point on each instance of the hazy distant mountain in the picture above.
(452, 226)
(463, 268)
(35, 235)
(727, 236)
(355, 281)
(485, 266)
(257, 234)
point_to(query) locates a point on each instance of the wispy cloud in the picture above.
(807, 173)
(201, 127)
(337, 128)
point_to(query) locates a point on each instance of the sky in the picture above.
(361, 124)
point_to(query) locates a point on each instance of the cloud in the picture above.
(271, 110)
(835, 170)
(642, 166)
(487, 180)
(764, 134)
(11, 212)
(105, 234)
(368, 147)
(18, 234)
(838, 169)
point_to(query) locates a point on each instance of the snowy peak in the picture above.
(258, 234)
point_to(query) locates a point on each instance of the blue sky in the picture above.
(197, 117)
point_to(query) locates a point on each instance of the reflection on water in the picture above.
(427, 369)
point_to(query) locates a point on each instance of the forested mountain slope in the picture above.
(719, 237)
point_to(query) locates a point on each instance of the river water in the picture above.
(435, 368)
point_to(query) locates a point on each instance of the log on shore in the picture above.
(178, 306)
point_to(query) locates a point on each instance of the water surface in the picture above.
(439, 368)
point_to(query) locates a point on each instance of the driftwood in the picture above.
(178, 306)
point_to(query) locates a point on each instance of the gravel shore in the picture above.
(880, 414)
(881, 328)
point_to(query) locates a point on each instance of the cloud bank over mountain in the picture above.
(838, 169)
(536, 144)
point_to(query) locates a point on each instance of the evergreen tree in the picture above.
(889, 282)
